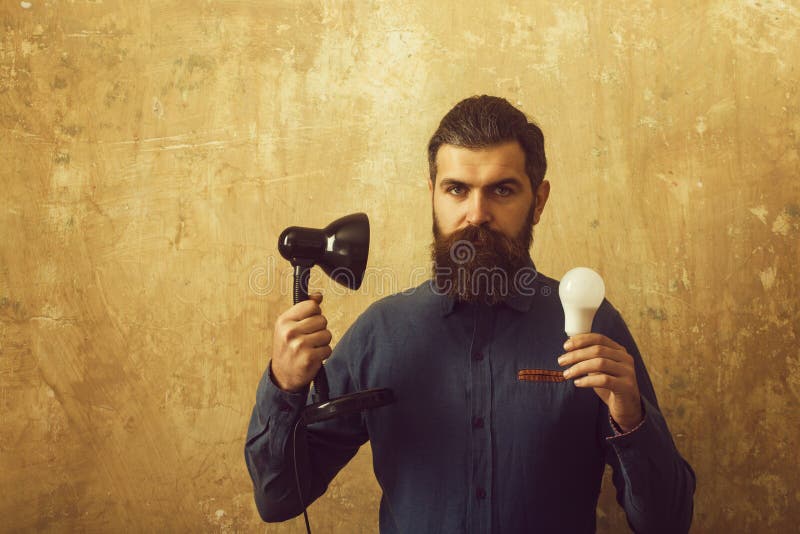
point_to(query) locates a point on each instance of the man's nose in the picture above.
(479, 212)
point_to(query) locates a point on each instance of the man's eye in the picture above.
(503, 190)
(455, 190)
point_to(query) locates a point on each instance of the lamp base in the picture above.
(346, 405)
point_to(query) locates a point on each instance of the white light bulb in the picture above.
(581, 291)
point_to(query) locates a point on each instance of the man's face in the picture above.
(483, 214)
(485, 187)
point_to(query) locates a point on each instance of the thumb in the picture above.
(316, 297)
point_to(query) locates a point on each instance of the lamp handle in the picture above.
(300, 293)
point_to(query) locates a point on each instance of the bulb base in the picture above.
(578, 320)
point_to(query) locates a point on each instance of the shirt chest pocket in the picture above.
(552, 397)
(544, 391)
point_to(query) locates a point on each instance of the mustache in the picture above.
(476, 234)
(489, 245)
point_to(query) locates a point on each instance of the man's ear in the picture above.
(541, 195)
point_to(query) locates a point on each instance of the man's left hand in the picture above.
(600, 363)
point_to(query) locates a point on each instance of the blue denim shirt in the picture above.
(483, 436)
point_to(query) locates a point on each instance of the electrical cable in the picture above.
(297, 476)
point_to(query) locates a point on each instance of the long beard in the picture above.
(477, 264)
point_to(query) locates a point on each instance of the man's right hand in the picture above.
(300, 344)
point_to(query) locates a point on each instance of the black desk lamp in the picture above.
(341, 250)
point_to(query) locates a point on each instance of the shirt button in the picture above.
(480, 493)
(477, 422)
(478, 356)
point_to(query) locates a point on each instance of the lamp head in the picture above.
(340, 249)
(581, 291)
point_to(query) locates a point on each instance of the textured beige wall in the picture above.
(151, 152)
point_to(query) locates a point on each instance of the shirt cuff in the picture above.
(618, 436)
(618, 430)
(275, 403)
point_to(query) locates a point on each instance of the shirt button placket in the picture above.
(480, 378)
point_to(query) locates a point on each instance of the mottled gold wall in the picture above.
(151, 152)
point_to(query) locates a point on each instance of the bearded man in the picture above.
(501, 423)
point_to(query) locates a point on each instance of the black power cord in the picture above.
(297, 476)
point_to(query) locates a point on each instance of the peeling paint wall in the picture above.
(151, 152)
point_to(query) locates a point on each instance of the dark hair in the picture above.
(483, 121)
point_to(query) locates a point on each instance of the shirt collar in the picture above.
(523, 289)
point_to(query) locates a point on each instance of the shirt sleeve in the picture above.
(322, 448)
(655, 485)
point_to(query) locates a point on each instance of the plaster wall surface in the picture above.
(151, 153)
